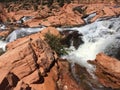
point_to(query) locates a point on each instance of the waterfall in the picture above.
(100, 36)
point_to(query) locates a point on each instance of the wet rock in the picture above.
(107, 71)
(113, 50)
(118, 54)
(82, 76)
(86, 79)
(66, 81)
(71, 38)
(1, 51)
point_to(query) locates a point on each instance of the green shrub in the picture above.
(55, 43)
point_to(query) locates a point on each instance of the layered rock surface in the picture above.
(30, 64)
(107, 70)
(27, 62)
(56, 15)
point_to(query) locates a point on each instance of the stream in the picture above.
(100, 36)
(103, 35)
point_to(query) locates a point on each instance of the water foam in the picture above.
(97, 37)
(3, 45)
(21, 33)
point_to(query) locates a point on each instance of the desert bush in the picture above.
(55, 43)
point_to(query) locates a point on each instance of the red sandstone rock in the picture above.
(29, 64)
(41, 34)
(3, 14)
(4, 33)
(65, 16)
(107, 70)
(29, 61)
(66, 81)
(102, 10)
(108, 11)
(17, 15)
(50, 82)
(51, 30)
(33, 22)
(45, 23)
(95, 1)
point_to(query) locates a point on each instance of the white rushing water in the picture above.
(17, 34)
(3, 45)
(100, 36)
(2, 26)
(21, 33)
(87, 19)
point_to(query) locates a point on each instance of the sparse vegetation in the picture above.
(55, 43)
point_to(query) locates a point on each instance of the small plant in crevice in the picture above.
(55, 44)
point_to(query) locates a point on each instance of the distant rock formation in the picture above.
(55, 15)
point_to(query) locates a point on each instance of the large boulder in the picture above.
(107, 70)
(30, 64)
(25, 65)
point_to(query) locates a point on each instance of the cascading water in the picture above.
(100, 36)
(21, 33)
(87, 19)
(18, 34)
